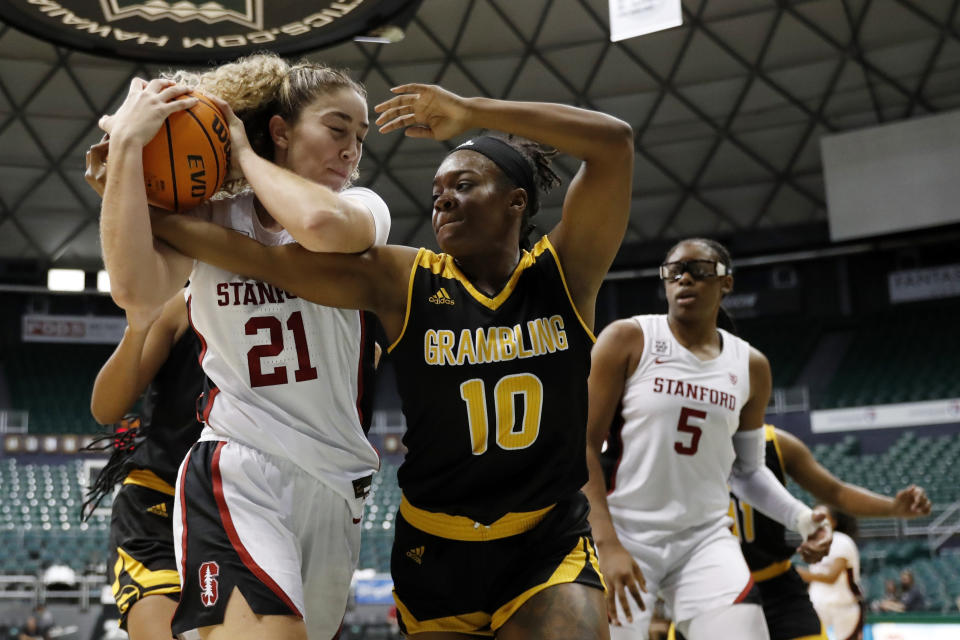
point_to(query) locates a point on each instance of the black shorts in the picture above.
(141, 561)
(214, 561)
(471, 586)
(786, 606)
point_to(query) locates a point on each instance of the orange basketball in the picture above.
(187, 161)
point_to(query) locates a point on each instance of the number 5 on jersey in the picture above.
(525, 385)
(689, 448)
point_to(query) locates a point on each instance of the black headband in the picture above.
(510, 161)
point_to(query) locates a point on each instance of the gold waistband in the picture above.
(465, 529)
(771, 571)
(150, 480)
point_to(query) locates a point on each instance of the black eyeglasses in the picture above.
(698, 269)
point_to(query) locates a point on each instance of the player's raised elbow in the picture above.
(130, 296)
(337, 231)
(612, 149)
(622, 131)
(123, 295)
(620, 136)
(103, 414)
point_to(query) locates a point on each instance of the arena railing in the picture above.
(789, 400)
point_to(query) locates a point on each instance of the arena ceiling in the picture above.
(728, 109)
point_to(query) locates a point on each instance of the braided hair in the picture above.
(538, 157)
(846, 523)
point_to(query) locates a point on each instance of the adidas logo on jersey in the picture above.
(441, 297)
(416, 554)
(159, 510)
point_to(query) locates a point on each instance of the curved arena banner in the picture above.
(198, 31)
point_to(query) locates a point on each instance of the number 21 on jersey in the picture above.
(278, 375)
(524, 385)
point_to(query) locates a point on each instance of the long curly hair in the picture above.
(262, 85)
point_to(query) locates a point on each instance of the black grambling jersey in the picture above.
(170, 425)
(762, 539)
(494, 389)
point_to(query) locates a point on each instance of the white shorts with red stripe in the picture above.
(247, 520)
(694, 572)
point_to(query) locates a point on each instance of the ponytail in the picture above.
(725, 321)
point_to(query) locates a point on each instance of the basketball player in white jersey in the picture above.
(269, 500)
(688, 399)
(835, 581)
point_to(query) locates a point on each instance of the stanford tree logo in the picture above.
(208, 583)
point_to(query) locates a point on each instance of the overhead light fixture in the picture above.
(65, 279)
(103, 281)
(394, 28)
(387, 34)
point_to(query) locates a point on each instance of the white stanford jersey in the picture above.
(675, 446)
(846, 588)
(287, 374)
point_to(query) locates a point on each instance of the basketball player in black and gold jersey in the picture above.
(492, 348)
(159, 357)
(786, 605)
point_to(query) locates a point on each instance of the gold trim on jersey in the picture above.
(145, 581)
(471, 623)
(771, 435)
(569, 569)
(771, 571)
(537, 249)
(466, 530)
(150, 480)
(406, 315)
(820, 636)
(445, 266)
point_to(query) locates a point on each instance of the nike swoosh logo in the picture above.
(659, 360)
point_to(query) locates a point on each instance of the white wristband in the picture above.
(807, 526)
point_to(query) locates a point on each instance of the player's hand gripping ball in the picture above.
(187, 161)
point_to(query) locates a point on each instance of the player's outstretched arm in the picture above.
(145, 346)
(143, 275)
(375, 280)
(910, 502)
(597, 203)
(753, 482)
(613, 359)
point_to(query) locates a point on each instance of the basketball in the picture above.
(187, 161)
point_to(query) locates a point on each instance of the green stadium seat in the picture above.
(901, 371)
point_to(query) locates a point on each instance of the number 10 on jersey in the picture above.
(525, 385)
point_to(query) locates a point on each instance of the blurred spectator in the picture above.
(31, 630)
(44, 618)
(890, 594)
(910, 599)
